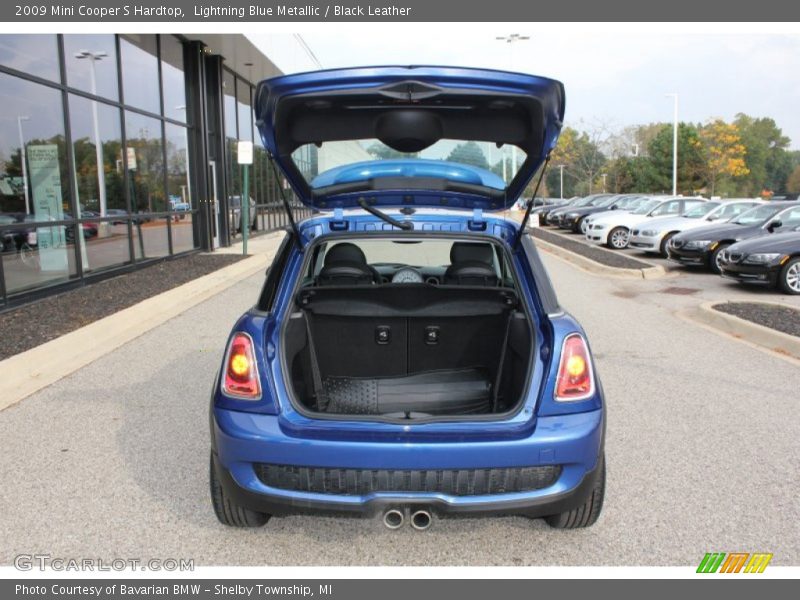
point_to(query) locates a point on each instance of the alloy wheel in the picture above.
(793, 277)
(619, 238)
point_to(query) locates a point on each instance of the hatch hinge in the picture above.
(286, 206)
(528, 209)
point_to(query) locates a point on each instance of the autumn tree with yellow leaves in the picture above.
(724, 152)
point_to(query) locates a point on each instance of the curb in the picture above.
(24, 374)
(595, 268)
(764, 338)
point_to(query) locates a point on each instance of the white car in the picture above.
(613, 229)
(654, 235)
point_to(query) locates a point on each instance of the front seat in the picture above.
(346, 264)
(471, 264)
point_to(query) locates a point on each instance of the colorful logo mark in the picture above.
(734, 562)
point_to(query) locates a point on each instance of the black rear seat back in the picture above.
(471, 263)
(346, 264)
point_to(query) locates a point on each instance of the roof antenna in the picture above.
(528, 209)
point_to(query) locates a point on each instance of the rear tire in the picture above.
(227, 511)
(789, 280)
(713, 263)
(587, 513)
(618, 238)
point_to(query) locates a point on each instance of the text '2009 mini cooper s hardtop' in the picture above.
(407, 356)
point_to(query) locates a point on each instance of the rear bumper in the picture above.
(572, 441)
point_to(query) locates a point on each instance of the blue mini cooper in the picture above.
(407, 356)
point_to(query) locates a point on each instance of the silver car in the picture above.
(653, 235)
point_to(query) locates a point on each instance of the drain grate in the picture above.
(680, 291)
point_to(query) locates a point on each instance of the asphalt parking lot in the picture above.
(703, 451)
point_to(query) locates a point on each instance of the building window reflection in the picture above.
(91, 62)
(34, 187)
(140, 87)
(172, 78)
(35, 54)
(99, 182)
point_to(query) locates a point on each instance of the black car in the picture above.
(703, 246)
(543, 211)
(573, 219)
(556, 216)
(772, 260)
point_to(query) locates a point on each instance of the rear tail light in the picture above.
(241, 371)
(575, 380)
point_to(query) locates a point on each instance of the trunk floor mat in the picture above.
(444, 392)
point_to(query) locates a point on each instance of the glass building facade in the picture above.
(118, 150)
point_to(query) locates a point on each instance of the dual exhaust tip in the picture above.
(420, 520)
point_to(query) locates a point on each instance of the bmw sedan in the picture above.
(704, 245)
(772, 260)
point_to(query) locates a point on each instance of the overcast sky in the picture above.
(617, 78)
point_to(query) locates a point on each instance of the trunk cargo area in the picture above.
(407, 350)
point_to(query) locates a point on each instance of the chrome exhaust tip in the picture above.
(421, 520)
(393, 519)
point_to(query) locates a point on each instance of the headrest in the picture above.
(461, 252)
(345, 252)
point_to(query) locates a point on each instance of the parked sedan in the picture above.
(772, 260)
(543, 211)
(557, 216)
(576, 219)
(703, 246)
(613, 229)
(654, 235)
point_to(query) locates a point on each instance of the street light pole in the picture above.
(604, 175)
(561, 168)
(98, 148)
(511, 40)
(674, 143)
(23, 159)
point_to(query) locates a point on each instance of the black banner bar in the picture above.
(370, 589)
(189, 11)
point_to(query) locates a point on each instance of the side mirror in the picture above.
(776, 224)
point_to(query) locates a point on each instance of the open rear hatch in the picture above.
(400, 136)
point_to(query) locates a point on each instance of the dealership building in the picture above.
(120, 150)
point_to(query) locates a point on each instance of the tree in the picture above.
(469, 153)
(724, 152)
(767, 157)
(565, 154)
(691, 162)
(793, 182)
(589, 158)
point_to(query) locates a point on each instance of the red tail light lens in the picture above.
(575, 380)
(241, 372)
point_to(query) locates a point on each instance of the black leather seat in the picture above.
(345, 264)
(471, 264)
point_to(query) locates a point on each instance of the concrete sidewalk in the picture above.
(23, 374)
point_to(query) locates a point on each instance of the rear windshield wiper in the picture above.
(404, 225)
